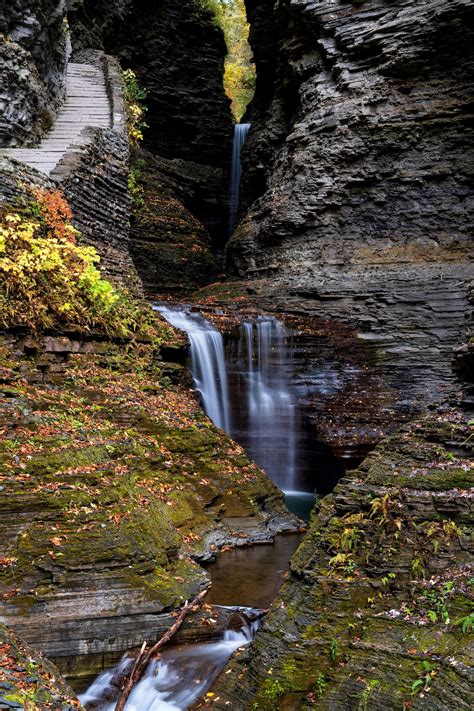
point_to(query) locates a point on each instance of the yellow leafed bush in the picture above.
(48, 280)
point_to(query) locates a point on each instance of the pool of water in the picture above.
(300, 503)
(251, 576)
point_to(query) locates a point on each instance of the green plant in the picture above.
(421, 685)
(134, 107)
(437, 600)
(367, 692)
(417, 568)
(334, 650)
(320, 684)
(467, 623)
(136, 190)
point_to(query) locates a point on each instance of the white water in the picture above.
(208, 362)
(173, 682)
(266, 405)
(240, 134)
(271, 424)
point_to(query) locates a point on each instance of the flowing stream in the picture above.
(175, 680)
(246, 390)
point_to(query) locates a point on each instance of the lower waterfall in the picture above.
(248, 394)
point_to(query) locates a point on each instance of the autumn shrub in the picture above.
(49, 281)
(134, 107)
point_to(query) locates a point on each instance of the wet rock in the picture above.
(376, 610)
(109, 476)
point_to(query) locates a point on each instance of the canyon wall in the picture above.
(358, 172)
(177, 51)
(33, 56)
(375, 612)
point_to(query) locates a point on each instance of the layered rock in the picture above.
(177, 51)
(377, 610)
(33, 53)
(113, 484)
(94, 179)
(359, 159)
(170, 248)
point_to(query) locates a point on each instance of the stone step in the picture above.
(87, 105)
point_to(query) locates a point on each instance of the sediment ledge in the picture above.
(113, 484)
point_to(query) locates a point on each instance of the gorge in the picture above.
(236, 353)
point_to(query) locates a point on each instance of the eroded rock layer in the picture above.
(33, 52)
(113, 484)
(377, 612)
(177, 51)
(361, 164)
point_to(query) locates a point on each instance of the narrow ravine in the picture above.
(245, 580)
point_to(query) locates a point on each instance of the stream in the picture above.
(244, 580)
(246, 390)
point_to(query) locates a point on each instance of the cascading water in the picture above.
(271, 407)
(208, 362)
(263, 400)
(240, 134)
(173, 682)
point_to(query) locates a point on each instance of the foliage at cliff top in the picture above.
(49, 281)
(239, 73)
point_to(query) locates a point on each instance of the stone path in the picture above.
(87, 104)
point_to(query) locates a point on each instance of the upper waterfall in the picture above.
(240, 134)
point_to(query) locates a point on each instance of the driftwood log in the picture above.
(144, 657)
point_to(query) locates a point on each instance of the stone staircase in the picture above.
(87, 104)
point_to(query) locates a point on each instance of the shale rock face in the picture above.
(169, 246)
(94, 179)
(375, 614)
(33, 54)
(360, 162)
(177, 51)
(27, 679)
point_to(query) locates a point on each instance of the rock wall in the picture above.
(177, 51)
(27, 679)
(33, 53)
(375, 613)
(94, 180)
(359, 167)
(170, 247)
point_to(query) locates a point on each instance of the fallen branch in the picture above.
(143, 660)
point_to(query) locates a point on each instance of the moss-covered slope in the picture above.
(112, 483)
(27, 680)
(378, 610)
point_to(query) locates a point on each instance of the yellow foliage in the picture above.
(47, 280)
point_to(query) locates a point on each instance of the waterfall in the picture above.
(240, 134)
(272, 427)
(263, 405)
(207, 362)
